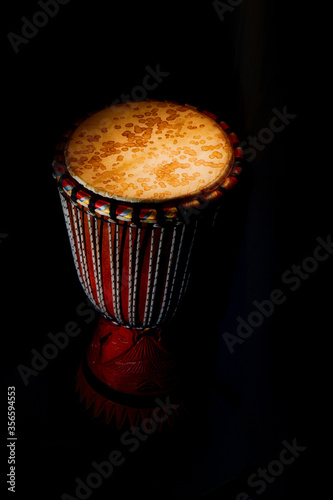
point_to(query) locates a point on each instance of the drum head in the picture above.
(147, 160)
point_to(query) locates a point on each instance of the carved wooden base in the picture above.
(129, 378)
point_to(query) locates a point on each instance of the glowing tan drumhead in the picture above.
(149, 151)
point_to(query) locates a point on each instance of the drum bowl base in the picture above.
(129, 378)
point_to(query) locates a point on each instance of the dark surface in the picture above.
(275, 386)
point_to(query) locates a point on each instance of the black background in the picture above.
(262, 56)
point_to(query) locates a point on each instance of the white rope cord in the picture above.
(157, 267)
(118, 287)
(93, 256)
(99, 267)
(75, 231)
(80, 244)
(83, 255)
(186, 275)
(175, 271)
(71, 238)
(151, 254)
(94, 245)
(136, 269)
(113, 287)
(130, 273)
(168, 275)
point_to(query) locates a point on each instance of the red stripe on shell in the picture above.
(211, 115)
(224, 125)
(100, 203)
(229, 183)
(122, 209)
(238, 153)
(81, 194)
(67, 182)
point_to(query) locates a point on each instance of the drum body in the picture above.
(133, 261)
(134, 274)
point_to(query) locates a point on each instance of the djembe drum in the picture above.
(136, 181)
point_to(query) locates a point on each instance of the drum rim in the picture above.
(147, 212)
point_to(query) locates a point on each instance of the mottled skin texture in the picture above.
(149, 151)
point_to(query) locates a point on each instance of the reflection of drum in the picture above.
(135, 181)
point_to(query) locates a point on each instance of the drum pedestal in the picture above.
(128, 375)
